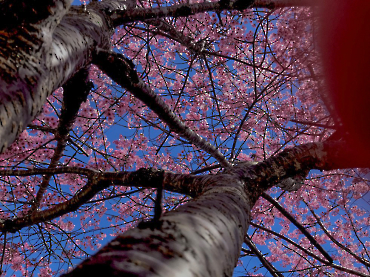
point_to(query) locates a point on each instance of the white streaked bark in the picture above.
(40, 59)
(204, 236)
(200, 238)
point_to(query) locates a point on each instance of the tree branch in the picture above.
(274, 272)
(122, 71)
(120, 17)
(41, 171)
(98, 181)
(328, 155)
(298, 225)
(75, 92)
(344, 269)
(336, 242)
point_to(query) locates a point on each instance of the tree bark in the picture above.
(37, 58)
(201, 238)
(204, 236)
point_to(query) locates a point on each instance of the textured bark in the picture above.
(200, 238)
(37, 59)
(204, 236)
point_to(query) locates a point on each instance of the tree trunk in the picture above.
(204, 236)
(200, 238)
(38, 58)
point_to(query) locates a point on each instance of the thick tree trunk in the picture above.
(200, 238)
(204, 236)
(37, 58)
